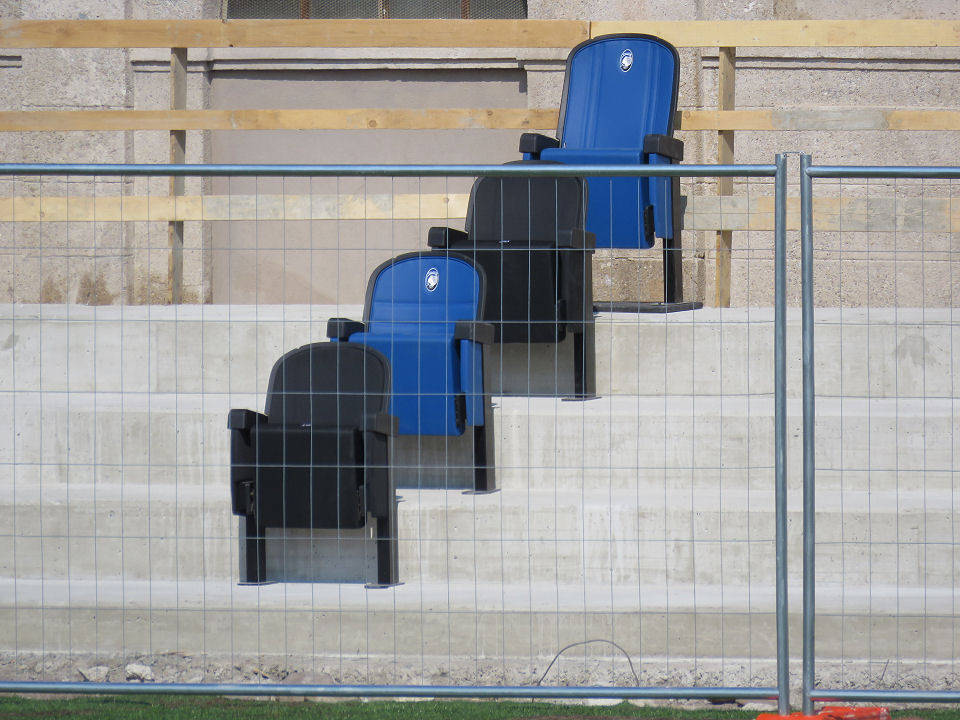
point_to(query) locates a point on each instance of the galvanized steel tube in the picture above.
(888, 696)
(780, 422)
(884, 171)
(522, 170)
(809, 504)
(387, 691)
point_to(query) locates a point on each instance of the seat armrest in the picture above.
(534, 143)
(440, 237)
(663, 145)
(480, 332)
(383, 423)
(576, 238)
(343, 328)
(244, 419)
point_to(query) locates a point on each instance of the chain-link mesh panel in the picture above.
(632, 539)
(474, 9)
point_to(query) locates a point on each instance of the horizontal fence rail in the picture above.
(388, 691)
(120, 420)
(545, 170)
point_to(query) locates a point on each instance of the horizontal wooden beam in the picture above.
(186, 208)
(793, 33)
(853, 118)
(470, 33)
(702, 212)
(291, 33)
(346, 119)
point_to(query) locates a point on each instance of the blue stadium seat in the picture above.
(618, 107)
(318, 457)
(423, 312)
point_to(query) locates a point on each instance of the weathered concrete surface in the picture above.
(642, 517)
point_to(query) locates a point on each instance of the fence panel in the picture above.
(635, 544)
(881, 256)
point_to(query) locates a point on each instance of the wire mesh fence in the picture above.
(882, 283)
(629, 545)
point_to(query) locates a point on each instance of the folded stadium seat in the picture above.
(318, 457)
(423, 312)
(618, 106)
(527, 234)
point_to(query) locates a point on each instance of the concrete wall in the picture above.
(643, 517)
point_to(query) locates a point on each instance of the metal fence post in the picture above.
(780, 420)
(809, 505)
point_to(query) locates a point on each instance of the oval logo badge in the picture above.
(431, 279)
(626, 60)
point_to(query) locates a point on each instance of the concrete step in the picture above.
(652, 504)
(193, 349)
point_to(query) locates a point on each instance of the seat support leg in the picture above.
(484, 442)
(672, 273)
(253, 559)
(585, 363)
(388, 570)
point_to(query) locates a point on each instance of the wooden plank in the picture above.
(346, 119)
(854, 118)
(291, 33)
(707, 213)
(470, 33)
(703, 212)
(726, 100)
(793, 33)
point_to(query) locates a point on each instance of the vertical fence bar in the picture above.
(780, 420)
(809, 505)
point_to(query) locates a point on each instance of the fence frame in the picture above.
(809, 171)
(777, 171)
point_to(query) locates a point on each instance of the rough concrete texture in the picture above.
(643, 517)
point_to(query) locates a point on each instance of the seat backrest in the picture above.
(617, 90)
(514, 225)
(423, 293)
(328, 384)
(524, 211)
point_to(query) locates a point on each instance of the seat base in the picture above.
(646, 307)
(579, 398)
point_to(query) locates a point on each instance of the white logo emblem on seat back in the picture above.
(626, 60)
(431, 279)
